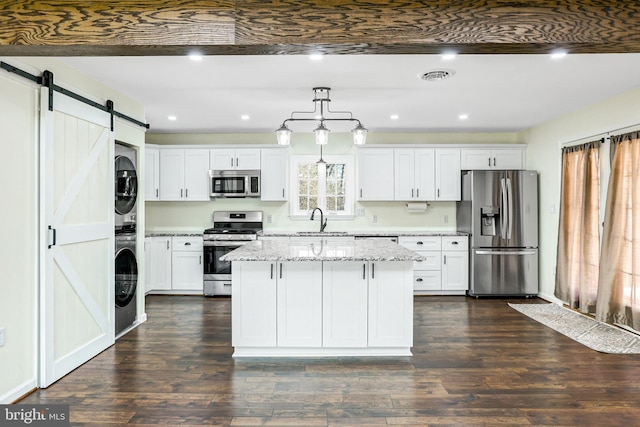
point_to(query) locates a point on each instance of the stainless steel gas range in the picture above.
(230, 230)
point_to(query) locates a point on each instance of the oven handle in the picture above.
(225, 243)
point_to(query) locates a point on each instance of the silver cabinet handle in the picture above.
(232, 162)
(438, 193)
(281, 270)
(419, 243)
(361, 192)
(236, 162)
(373, 270)
(272, 270)
(181, 193)
(489, 162)
(157, 192)
(283, 193)
(186, 193)
(419, 279)
(364, 271)
(454, 243)
(187, 243)
(167, 244)
(445, 259)
(412, 193)
(200, 260)
(417, 192)
(494, 161)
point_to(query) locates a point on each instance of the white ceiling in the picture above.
(500, 93)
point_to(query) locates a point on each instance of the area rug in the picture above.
(583, 329)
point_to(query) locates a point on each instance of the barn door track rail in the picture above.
(47, 80)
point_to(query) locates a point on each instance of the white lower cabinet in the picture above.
(253, 304)
(186, 264)
(445, 271)
(344, 308)
(321, 307)
(158, 264)
(174, 265)
(299, 302)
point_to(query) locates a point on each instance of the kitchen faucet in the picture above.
(323, 222)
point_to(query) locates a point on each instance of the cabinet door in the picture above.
(448, 174)
(375, 174)
(455, 270)
(299, 303)
(186, 271)
(222, 158)
(404, 187)
(425, 174)
(253, 304)
(248, 158)
(159, 268)
(273, 174)
(344, 304)
(151, 174)
(172, 175)
(508, 158)
(196, 174)
(475, 159)
(390, 304)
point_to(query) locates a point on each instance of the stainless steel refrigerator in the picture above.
(499, 209)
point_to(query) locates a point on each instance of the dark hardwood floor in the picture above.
(476, 362)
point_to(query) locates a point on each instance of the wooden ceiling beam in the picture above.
(176, 27)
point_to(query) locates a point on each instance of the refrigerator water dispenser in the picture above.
(489, 216)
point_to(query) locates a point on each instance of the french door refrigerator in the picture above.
(499, 209)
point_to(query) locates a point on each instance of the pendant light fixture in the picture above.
(321, 102)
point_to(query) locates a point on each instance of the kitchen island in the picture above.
(321, 298)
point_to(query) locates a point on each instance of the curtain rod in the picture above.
(601, 135)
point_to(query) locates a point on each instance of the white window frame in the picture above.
(349, 203)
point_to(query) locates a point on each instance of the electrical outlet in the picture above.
(2, 337)
(375, 218)
(446, 219)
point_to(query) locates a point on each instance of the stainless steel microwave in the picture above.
(234, 183)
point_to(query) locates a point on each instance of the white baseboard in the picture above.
(15, 394)
(550, 298)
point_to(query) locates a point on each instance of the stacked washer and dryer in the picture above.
(126, 265)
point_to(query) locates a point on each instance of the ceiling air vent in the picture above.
(436, 75)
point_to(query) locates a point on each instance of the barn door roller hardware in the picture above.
(47, 80)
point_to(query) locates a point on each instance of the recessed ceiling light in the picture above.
(172, 118)
(394, 117)
(557, 54)
(463, 116)
(316, 56)
(195, 56)
(448, 56)
(245, 117)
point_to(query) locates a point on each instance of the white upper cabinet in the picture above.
(184, 174)
(151, 174)
(447, 174)
(414, 174)
(229, 158)
(375, 174)
(492, 158)
(273, 174)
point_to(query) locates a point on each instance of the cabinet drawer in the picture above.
(426, 281)
(432, 261)
(187, 243)
(455, 243)
(420, 243)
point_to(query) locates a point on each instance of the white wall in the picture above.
(196, 216)
(19, 253)
(543, 154)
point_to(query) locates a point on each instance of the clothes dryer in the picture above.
(126, 280)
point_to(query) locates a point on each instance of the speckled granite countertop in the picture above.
(357, 250)
(177, 234)
(358, 233)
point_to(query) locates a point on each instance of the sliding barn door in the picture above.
(77, 273)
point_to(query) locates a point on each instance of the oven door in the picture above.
(214, 269)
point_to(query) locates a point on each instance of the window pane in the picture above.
(339, 203)
(303, 203)
(331, 187)
(313, 203)
(331, 203)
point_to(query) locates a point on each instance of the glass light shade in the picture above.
(322, 134)
(284, 135)
(359, 135)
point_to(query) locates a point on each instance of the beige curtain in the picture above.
(619, 288)
(579, 231)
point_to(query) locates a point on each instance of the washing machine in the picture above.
(126, 187)
(126, 280)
